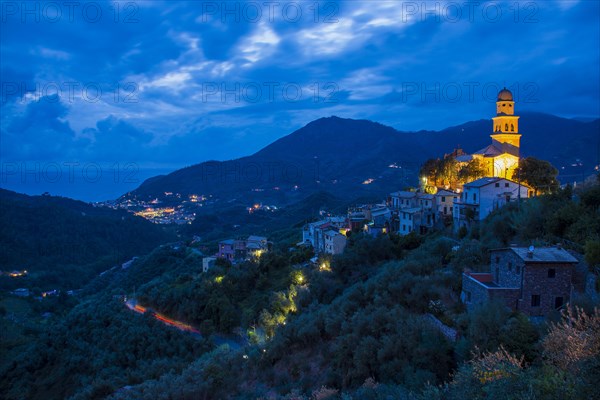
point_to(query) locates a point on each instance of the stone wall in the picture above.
(510, 268)
(537, 282)
(509, 296)
(474, 292)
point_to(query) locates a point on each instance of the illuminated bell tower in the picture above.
(506, 125)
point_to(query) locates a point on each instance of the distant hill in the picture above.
(63, 242)
(561, 141)
(342, 155)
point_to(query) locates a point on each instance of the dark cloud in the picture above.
(373, 54)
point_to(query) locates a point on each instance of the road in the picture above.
(218, 339)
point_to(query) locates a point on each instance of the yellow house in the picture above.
(501, 157)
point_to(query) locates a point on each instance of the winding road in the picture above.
(217, 339)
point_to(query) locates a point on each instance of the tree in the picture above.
(592, 253)
(430, 170)
(539, 174)
(471, 171)
(573, 340)
(449, 171)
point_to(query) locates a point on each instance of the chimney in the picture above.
(530, 252)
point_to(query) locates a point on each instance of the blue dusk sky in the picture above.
(163, 85)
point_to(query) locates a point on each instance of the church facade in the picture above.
(501, 157)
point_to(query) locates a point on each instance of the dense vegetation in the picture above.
(64, 243)
(358, 326)
(99, 347)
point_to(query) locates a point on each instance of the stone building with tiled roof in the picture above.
(535, 281)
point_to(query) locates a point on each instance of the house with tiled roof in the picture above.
(535, 281)
(482, 196)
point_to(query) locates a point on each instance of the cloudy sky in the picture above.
(164, 84)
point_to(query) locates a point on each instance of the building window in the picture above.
(509, 266)
(497, 259)
(443, 199)
(518, 269)
(497, 184)
(558, 302)
(535, 300)
(445, 210)
(474, 196)
(506, 184)
(551, 273)
(469, 297)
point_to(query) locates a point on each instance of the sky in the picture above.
(126, 90)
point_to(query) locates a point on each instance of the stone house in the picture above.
(533, 281)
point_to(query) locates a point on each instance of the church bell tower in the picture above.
(506, 124)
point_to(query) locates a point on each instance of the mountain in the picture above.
(63, 243)
(561, 141)
(353, 158)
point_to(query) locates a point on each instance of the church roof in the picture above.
(464, 158)
(489, 151)
(505, 95)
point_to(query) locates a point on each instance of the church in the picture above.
(501, 157)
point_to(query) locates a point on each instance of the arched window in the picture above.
(512, 128)
(506, 127)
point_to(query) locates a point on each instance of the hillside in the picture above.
(338, 155)
(63, 243)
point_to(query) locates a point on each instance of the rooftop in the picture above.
(489, 150)
(444, 192)
(253, 238)
(544, 254)
(411, 210)
(404, 194)
(483, 182)
(331, 232)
